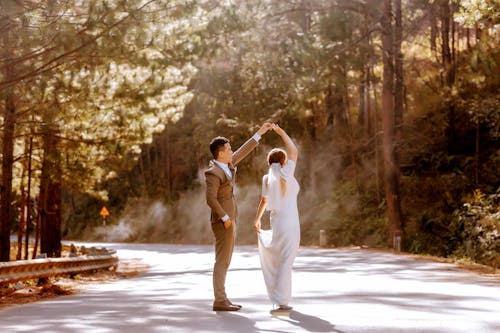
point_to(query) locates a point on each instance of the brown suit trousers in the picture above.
(221, 200)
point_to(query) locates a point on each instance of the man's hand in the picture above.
(228, 223)
(264, 128)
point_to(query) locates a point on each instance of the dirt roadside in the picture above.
(28, 291)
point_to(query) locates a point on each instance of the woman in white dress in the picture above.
(278, 246)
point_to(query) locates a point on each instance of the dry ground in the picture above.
(31, 291)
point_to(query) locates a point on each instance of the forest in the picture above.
(394, 105)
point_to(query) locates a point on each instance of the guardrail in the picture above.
(20, 270)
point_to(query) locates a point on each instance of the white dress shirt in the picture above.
(228, 172)
(225, 167)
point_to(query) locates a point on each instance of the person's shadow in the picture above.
(309, 323)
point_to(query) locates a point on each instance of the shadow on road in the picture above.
(359, 291)
(232, 322)
(310, 323)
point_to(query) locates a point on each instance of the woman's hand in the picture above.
(257, 225)
(291, 148)
(278, 129)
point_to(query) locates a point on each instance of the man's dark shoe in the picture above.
(225, 306)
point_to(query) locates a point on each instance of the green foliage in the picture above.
(121, 71)
(348, 217)
(262, 57)
(477, 226)
(430, 233)
(478, 11)
(136, 102)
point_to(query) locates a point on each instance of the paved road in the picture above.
(335, 290)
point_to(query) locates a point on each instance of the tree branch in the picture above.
(49, 65)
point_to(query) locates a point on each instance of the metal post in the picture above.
(396, 242)
(322, 238)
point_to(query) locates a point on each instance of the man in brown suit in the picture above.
(220, 178)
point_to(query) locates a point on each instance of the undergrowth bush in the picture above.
(477, 224)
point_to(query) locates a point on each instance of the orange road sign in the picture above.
(104, 211)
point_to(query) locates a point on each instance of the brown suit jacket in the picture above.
(219, 195)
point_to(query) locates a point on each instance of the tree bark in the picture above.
(467, 34)
(447, 67)
(305, 17)
(391, 168)
(398, 66)
(330, 108)
(445, 41)
(362, 99)
(367, 68)
(476, 154)
(28, 215)
(168, 163)
(9, 121)
(398, 100)
(22, 213)
(368, 102)
(434, 29)
(50, 197)
(376, 140)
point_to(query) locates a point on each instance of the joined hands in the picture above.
(270, 126)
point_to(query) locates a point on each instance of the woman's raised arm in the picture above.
(291, 148)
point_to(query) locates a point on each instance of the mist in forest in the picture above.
(323, 205)
(141, 220)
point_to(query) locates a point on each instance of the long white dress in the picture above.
(278, 246)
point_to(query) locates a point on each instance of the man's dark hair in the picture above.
(217, 144)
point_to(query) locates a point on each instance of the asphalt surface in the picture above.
(334, 290)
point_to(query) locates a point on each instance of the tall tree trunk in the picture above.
(143, 175)
(365, 79)
(434, 28)
(391, 168)
(447, 66)
(38, 222)
(368, 76)
(376, 139)
(156, 166)
(445, 41)
(50, 197)
(477, 33)
(467, 34)
(340, 114)
(28, 216)
(305, 17)
(170, 154)
(362, 98)
(310, 142)
(50, 240)
(398, 97)
(22, 212)
(330, 108)
(148, 170)
(398, 66)
(368, 103)
(476, 154)
(9, 123)
(349, 130)
(454, 41)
